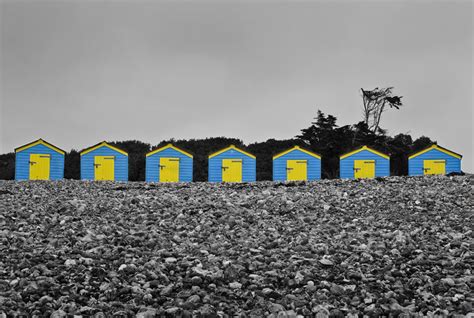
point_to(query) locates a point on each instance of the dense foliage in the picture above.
(7, 166)
(323, 136)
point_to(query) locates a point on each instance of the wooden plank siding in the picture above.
(120, 163)
(415, 165)
(152, 170)
(346, 168)
(280, 165)
(249, 173)
(22, 165)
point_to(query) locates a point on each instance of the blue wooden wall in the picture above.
(249, 172)
(346, 165)
(415, 165)
(22, 165)
(121, 163)
(152, 173)
(313, 167)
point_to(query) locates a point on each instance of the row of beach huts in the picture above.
(40, 160)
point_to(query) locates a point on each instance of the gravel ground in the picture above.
(395, 246)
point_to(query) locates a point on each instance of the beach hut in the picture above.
(296, 164)
(364, 163)
(169, 164)
(232, 165)
(104, 162)
(434, 160)
(39, 160)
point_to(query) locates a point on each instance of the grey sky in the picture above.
(78, 72)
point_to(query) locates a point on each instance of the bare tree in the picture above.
(376, 102)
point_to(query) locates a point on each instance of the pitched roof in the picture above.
(169, 146)
(102, 144)
(362, 149)
(439, 148)
(313, 154)
(40, 142)
(229, 148)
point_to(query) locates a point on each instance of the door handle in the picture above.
(32, 162)
(289, 168)
(223, 168)
(97, 165)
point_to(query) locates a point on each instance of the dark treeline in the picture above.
(323, 136)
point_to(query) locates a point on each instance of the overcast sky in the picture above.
(78, 72)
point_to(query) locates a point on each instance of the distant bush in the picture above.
(7, 166)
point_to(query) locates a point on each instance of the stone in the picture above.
(170, 260)
(58, 314)
(235, 285)
(70, 262)
(326, 262)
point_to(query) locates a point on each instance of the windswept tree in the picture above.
(376, 102)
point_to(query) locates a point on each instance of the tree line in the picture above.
(323, 136)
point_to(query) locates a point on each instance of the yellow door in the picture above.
(364, 169)
(434, 166)
(40, 166)
(169, 169)
(296, 170)
(232, 170)
(104, 168)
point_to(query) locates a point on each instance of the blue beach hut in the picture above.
(296, 164)
(232, 165)
(103, 162)
(169, 164)
(434, 160)
(39, 160)
(364, 163)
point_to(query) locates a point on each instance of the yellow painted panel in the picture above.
(364, 169)
(40, 166)
(104, 168)
(297, 170)
(232, 170)
(169, 169)
(434, 166)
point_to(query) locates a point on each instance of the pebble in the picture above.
(326, 262)
(194, 299)
(70, 262)
(264, 249)
(58, 314)
(337, 289)
(235, 285)
(170, 260)
(448, 281)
